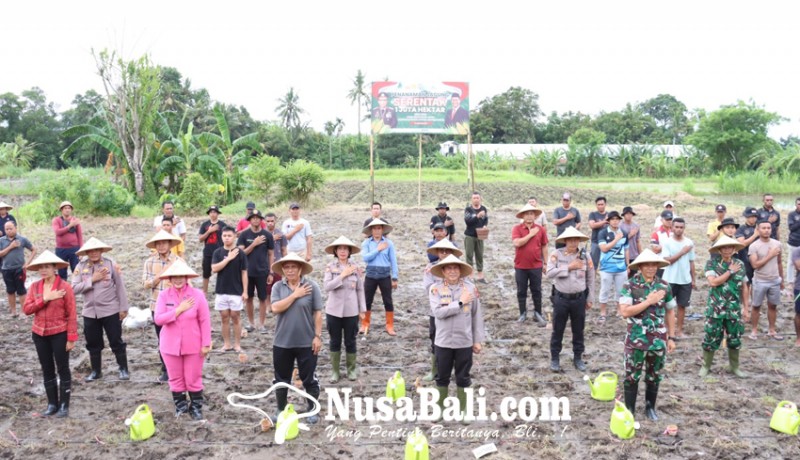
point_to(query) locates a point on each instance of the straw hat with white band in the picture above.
(342, 241)
(438, 269)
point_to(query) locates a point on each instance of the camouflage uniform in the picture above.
(724, 307)
(646, 341)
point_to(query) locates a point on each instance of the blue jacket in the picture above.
(386, 259)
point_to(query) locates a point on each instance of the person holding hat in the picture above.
(230, 264)
(69, 237)
(12, 255)
(259, 247)
(244, 222)
(634, 231)
(459, 326)
(614, 261)
(162, 242)
(383, 112)
(572, 274)
(344, 284)
(381, 259)
(105, 305)
(182, 313)
(475, 216)
(668, 206)
(211, 236)
(440, 251)
(649, 306)
(55, 329)
(298, 232)
(726, 279)
(441, 217)
(375, 213)
(530, 251)
(439, 234)
(713, 231)
(297, 304)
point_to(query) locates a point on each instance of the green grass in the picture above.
(33, 182)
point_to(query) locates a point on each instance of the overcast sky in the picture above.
(587, 56)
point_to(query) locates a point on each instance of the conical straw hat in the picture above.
(163, 235)
(368, 229)
(305, 267)
(178, 268)
(342, 241)
(437, 270)
(445, 244)
(572, 232)
(725, 240)
(526, 208)
(3, 204)
(648, 256)
(92, 244)
(46, 258)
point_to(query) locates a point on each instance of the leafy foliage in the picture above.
(89, 193)
(196, 194)
(262, 175)
(299, 179)
(507, 118)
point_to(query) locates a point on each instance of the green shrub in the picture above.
(299, 179)
(196, 194)
(262, 175)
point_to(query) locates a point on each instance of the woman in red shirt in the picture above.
(55, 329)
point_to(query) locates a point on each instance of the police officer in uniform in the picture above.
(572, 275)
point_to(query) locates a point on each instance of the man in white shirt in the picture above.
(678, 250)
(298, 233)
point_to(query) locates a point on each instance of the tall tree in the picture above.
(558, 128)
(132, 101)
(507, 118)
(670, 116)
(358, 94)
(83, 111)
(289, 111)
(627, 126)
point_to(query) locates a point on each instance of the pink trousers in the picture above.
(185, 372)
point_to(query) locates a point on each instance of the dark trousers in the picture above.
(67, 255)
(449, 358)
(93, 330)
(337, 326)
(432, 333)
(53, 348)
(283, 361)
(385, 285)
(158, 341)
(573, 310)
(529, 278)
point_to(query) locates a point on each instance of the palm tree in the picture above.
(19, 153)
(357, 94)
(332, 127)
(288, 110)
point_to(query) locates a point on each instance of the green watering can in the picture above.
(622, 423)
(141, 423)
(785, 418)
(604, 387)
(396, 387)
(287, 426)
(417, 446)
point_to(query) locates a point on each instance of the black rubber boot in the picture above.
(314, 419)
(51, 389)
(631, 391)
(555, 365)
(579, 363)
(181, 404)
(196, 404)
(63, 407)
(650, 396)
(122, 361)
(96, 359)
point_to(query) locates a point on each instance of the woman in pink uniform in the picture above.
(182, 313)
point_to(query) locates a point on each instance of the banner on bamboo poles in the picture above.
(399, 107)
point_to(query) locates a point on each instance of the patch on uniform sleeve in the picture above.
(434, 290)
(553, 258)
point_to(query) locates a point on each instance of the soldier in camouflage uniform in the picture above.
(649, 306)
(726, 276)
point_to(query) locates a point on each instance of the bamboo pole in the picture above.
(470, 163)
(419, 179)
(371, 169)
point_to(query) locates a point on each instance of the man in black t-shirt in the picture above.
(230, 264)
(441, 217)
(211, 237)
(258, 244)
(597, 222)
(746, 234)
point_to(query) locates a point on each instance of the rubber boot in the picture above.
(122, 361)
(708, 359)
(440, 402)
(336, 359)
(365, 322)
(63, 407)
(196, 404)
(462, 405)
(282, 397)
(96, 359)
(650, 396)
(181, 404)
(390, 323)
(579, 363)
(631, 391)
(51, 389)
(432, 374)
(352, 370)
(314, 419)
(733, 358)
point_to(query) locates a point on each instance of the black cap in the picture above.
(439, 226)
(442, 205)
(666, 215)
(213, 207)
(727, 221)
(294, 205)
(750, 212)
(251, 205)
(627, 209)
(613, 215)
(720, 208)
(256, 213)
